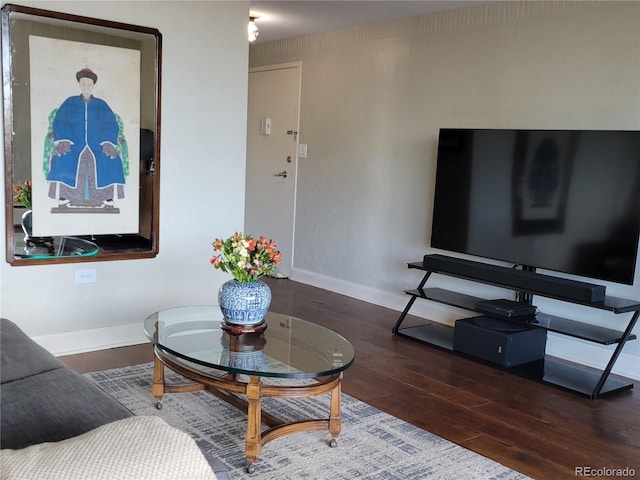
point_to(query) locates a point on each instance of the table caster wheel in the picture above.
(159, 405)
(333, 443)
(251, 468)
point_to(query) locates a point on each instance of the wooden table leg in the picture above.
(335, 421)
(157, 388)
(254, 422)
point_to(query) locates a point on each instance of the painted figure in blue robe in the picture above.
(85, 168)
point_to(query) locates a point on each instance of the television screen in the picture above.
(561, 200)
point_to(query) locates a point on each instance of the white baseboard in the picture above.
(560, 346)
(592, 355)
(91, 340)
(394, 301)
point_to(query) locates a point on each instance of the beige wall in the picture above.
(204, 95)
(373, 99)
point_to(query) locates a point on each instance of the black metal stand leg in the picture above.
(403, 315)
(614, 357)
(409, 304)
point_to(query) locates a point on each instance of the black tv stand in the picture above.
(553, 371)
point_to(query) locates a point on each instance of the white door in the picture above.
(272, 140)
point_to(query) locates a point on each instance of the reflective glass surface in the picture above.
(54, 247)
(289, 347)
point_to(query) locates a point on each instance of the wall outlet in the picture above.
(84, 276)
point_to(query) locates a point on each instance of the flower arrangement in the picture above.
(245, 258)
(23, 194)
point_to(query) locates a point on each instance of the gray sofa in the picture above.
(44, 402)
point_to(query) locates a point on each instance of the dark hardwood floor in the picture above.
(541, 431)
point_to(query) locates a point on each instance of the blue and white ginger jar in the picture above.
(244, 303)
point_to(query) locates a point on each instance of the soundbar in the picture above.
(530, 282)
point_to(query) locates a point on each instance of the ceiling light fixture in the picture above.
(252, 29)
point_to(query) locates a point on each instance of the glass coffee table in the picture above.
(291, 358)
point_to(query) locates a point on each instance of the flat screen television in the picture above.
(560, 200)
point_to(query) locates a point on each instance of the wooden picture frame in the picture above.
(45, 53)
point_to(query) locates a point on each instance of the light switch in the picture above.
(265, 127)
(302, 150)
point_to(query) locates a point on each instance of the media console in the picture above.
(550, 371)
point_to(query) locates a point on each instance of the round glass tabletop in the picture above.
(289, 347)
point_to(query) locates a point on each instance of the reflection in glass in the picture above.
(244, 351)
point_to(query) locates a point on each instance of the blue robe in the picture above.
(86, 123)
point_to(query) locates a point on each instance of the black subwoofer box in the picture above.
(499, 341)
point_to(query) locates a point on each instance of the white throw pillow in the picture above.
(136, 448)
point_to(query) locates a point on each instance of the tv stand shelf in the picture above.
(550, 371)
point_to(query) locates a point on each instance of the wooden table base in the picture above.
(228, 387)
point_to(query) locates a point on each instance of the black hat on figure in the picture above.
(86, 73)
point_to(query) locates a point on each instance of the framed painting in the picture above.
(82, 135)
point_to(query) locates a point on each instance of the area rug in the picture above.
(372, 445)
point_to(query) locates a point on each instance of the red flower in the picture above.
(218, 244)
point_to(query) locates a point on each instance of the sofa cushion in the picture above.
(137, 448)
(52, 406)
(20, 356)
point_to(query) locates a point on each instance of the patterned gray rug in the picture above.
(372, 445)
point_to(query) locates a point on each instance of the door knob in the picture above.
(282, 174)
